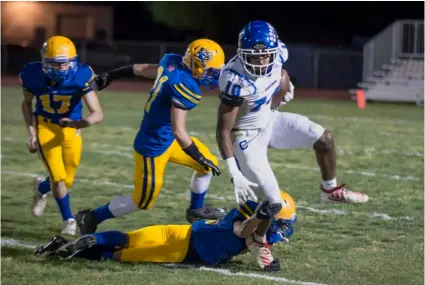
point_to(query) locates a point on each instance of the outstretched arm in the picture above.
(147, 70)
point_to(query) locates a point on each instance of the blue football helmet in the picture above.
(258, 48)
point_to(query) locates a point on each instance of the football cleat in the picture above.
(205, 213)
(86, 221)
(69, 227)
(72, 248)
(39, 200)
(50, 248)
(342, 194)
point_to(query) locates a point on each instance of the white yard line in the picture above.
(372, 151)
(9, 242)
(351, 171)
(128, 154)
(358, 119)
(226, 198)
(342, 213)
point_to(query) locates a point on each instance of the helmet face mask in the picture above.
(258, 40)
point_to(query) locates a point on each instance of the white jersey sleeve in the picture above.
(251, 95)
(283, 53)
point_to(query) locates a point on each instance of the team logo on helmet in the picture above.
(203, 55)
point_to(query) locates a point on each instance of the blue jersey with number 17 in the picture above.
(56, 101)
(174, 85)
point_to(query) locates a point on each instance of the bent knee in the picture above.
(325, 142)
(69, 181)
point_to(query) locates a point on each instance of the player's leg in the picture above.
(94, 246)
(72, 147)
(148, 180)
(250, 149)
(49, 141)
(71, 151)
(296, 131)
(199, 183)
(165, 243)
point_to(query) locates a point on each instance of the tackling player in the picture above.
(58, 84)
(163, 137)
(207, 242)
(247, 126)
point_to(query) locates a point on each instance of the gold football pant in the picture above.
(166, 243)
(149, 171)
(60, 150)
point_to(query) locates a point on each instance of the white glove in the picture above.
(242, 188)
(241, 185)
(289, 95)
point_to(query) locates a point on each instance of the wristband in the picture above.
(232, 166)
(193, 152)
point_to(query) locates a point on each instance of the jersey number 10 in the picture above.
(235, 90)
(156, 88)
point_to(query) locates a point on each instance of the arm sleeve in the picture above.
(185, 96)
(245, 210)
(283, 52)
(84, 79)
(24, 79)
(230, 90)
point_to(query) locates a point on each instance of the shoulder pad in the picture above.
(169, 60)
(247, 209)
(283, 52)
(32, 76)
(186, 93)
(83, 77)
(235, 83)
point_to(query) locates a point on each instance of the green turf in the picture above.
(354, 248)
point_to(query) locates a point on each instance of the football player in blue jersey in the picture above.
(59, 84)
(163, 137)
(205, 242)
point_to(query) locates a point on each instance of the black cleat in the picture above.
(86, 221)
(50, 248)
(206, 213)
(72, 248)
(273, 267)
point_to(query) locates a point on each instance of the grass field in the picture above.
(380, 152)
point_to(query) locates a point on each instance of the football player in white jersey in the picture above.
(248, 124)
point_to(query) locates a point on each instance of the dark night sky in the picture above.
(330, 23)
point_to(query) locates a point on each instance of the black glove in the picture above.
(208, 164)
(267, 211)
(105, 78)
(102, 80)
(194, 153)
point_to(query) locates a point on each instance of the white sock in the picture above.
(122, 206)
(329, 184)
(200, 182)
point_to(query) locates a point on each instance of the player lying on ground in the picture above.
(206, 242)
(162, 137)
(58, 83)
(247, 125)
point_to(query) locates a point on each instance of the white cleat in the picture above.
(342, 194)
(39, 200)
(69, 227)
